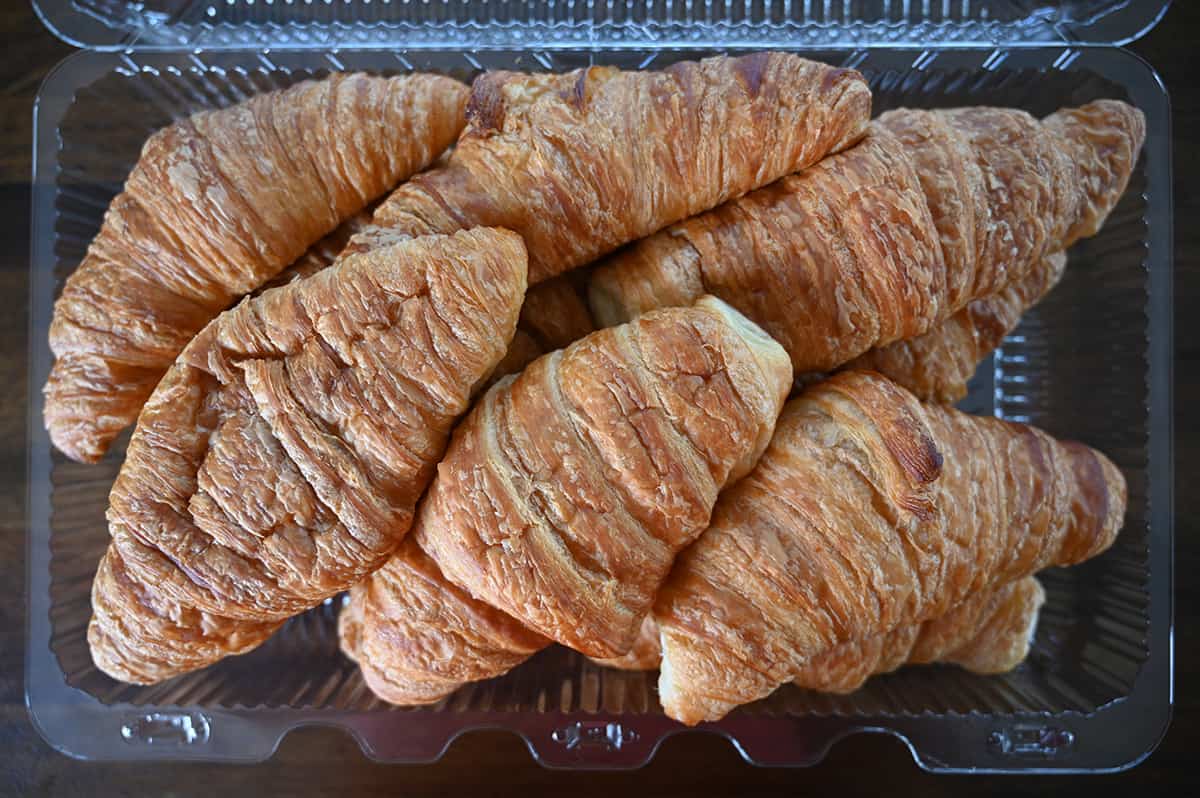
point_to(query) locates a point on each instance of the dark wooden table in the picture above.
(325, 762)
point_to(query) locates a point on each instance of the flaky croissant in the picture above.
(932, 210)
(867, 512)
(567, 491)
(987, 633)
(218, 204)
(936, 366)
(281, 458)
(582, 162)
(427, 637)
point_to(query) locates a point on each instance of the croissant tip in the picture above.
(751, 69)
(1103, 492)
(76, 444)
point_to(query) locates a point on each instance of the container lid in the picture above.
(291, 24)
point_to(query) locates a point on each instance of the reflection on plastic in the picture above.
(167, 728)
(593, 734)
(1031, 741)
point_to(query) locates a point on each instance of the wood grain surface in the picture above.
(325, 762)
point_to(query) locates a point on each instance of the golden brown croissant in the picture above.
(218, 204)
(567, 491)
(987, 633)
(583, 162)
(931, 210)
(281, 458)
(868, 511)
(936, 366)
(418, 637)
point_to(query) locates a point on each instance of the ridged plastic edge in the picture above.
(89, 31)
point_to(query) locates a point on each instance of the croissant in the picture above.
(416, 641)
(281, 458)
(987, 633)
(582, 162)
(411, 641)
(867, 512)
(936, 366)
(932, 210)
(218, 204)
(567, 491)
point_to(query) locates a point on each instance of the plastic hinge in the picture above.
(1031, 741)
(167, 728)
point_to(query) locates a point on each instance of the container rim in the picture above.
(443, 24)
(77, 724)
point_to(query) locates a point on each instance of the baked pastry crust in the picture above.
(987, 633)
(567, 490)
(281, 458)
(933, 209)
(869, 511)
(417, 637)
(583, 162)
(937, 366)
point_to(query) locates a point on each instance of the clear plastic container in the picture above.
(1091, 362)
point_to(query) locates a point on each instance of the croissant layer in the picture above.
(417, 637)
(936, 366)
(987, 633)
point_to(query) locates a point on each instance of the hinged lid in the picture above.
(219, 24)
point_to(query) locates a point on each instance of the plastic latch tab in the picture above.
(1031, 741)
(593, 734)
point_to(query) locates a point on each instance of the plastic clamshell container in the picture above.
(1093, 362)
